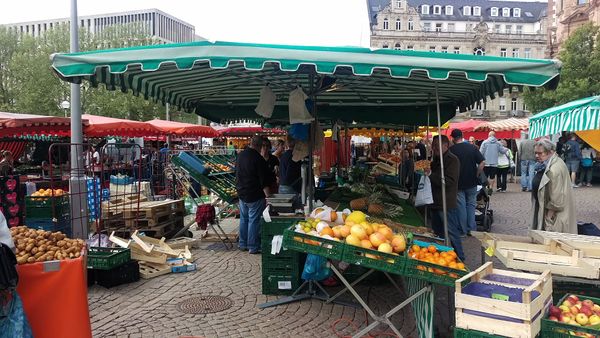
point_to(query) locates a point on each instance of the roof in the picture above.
(536, 10)
(578, 115)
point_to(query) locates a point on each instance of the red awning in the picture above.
(248, 131)
(100, 126)
(474, 128)
(183, 129)
(511, 124)
(12, 124)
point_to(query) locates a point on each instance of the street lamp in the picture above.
(66, 105)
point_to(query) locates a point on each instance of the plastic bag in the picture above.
(13, 322)
(315, 268)
(424, 194)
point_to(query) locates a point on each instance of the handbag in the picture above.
(587, 162)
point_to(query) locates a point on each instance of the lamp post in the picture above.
(65, 105)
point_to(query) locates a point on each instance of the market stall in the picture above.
(347, 84)
(513, 126)
(101, 126)
(183, 129)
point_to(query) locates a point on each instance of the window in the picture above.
(527, 53)
(450, 27)
(425, 9)
(397, 46)
(438, 27)
(449, 10)
(513, 104)
(479, 51)
(411, 25)
(456, 50)
(437, 10)
(386, 24)
(497, 29)
(398, 4)
(445, 49)
(410, 48)
(427, 26)
(467, 10)
(515, 52)
(432, 49)
(524, 106)
(385, 46)
(469, 27)
(519, 29)
(398, 24)
(503, 52)
(477, 11)
(502, 104)
(517, 12)
(505, 12)
(582, 2)
(481, 104)
(508, 29)
(494, 11)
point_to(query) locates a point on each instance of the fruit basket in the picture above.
(382, 261)
(502, 302)
(427, 269)
(587, 325)
(293, 240)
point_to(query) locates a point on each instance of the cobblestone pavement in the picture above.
(148, 308)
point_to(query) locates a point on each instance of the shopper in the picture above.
(504, 165)
(290, 180)
(422, 150)
(588, 154)
(491, 148)
(252, 186)
(407, 170)
(471, 166)
(473, 142)
(572, 154)
(279, 148)
(552, 194)
(7, 164)
(527, 156)
(451, 174)
(272, 164)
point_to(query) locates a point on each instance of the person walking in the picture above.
(491, 148)
(451, 174)
(504, 165)
(252, 185)
(572, 154)
(552, 193)
(471, 165)
(588, 154)
(527, 156)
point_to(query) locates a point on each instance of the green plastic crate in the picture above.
(277, 226)
(430, 272)
(302, 242)
(47, 207)
(463, 333)
(552, 329)
(382, 261)
(281, 262)
(284, 284)
(107, 258)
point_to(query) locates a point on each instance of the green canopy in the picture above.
(579, 115)
(222, 80)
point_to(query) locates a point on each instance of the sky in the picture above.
(304, 22)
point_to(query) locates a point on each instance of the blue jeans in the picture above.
(466, 204)
(527, 173)
(250, 214)
(437, 224)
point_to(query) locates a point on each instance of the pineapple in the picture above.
(359, 204)
(376, 209)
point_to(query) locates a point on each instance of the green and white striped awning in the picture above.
(579, 115)
(222, 80)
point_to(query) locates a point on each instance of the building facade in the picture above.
(565, 17)
(152, 22)
(480, 27)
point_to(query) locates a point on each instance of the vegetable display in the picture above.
(40, 245)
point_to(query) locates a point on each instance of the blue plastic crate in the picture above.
(193, 162)
(62, 224)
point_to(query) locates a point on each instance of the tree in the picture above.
(579, 74)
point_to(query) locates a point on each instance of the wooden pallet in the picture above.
(149, 210)
(150, 270)
(156, 220)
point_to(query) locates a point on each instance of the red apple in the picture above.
(574, 310)
(555, 311)
(568, 303)
(586, 311)
(574, 299)
(552, 318)
(565, 319)
(589, 303)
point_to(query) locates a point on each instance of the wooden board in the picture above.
(210, 237)
(182, 242)
(148, 270)
(151, 257)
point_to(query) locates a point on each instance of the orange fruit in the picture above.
(460, 266)
(436, 254)
(442, 262)
(452, 265)
(451, 253)
(431, 249)
(415, 248)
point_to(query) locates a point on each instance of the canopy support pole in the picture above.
(444, 202)
(311, 144)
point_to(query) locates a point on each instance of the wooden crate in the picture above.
(150, 270)
(182, 242)
(589, 246)
(523, 320)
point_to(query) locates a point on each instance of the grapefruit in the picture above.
(377, 239)
(365, 243)
(387, 232)
(398, 243)
(353, 240)
(358, 231)
(344, 231)
(357, 217)
(385, 247)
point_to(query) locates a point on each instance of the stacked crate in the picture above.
(51, 213)
(281, 272)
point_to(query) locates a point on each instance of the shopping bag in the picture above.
(424, 194)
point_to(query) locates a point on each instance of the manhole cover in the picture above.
(205, 304)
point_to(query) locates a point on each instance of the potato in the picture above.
(34, 250)
(21, 260)
(31, 260)
(38, 255)
(29, 247)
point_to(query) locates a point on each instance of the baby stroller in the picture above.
(484, 216)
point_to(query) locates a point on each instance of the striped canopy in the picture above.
(222, 80)
(579, 115)
(511, 124)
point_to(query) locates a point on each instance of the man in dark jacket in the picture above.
(252, 184)
(451, 176)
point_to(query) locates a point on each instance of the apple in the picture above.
(586, 311)
(565, 308)
(579, 305)
(552, 318)
(574, 310)
(565, 319)
(555, 311)
(582, 319)
(574, 299)
(568, 303)
(596, 307)
(594, 320)
(588, 303)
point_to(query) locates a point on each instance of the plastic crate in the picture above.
(302, 242)
(47, 207)
(107, 258)
(463, 333)
(552, 329)
(281, 263)
(63, 224)
(277, 226)
(280, 284)
(122, 274)
(430, 272)
(392, 263)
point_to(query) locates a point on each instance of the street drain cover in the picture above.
(205, 304)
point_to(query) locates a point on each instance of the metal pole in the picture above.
(311, 144)
(168, 118)
(444, 206)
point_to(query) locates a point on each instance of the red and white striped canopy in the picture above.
(505, 125)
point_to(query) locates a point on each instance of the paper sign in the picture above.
(284, 285)
(266, 215)
(490, 251)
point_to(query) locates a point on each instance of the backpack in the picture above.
(567, 150)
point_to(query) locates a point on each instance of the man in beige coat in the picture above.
(552, 195)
